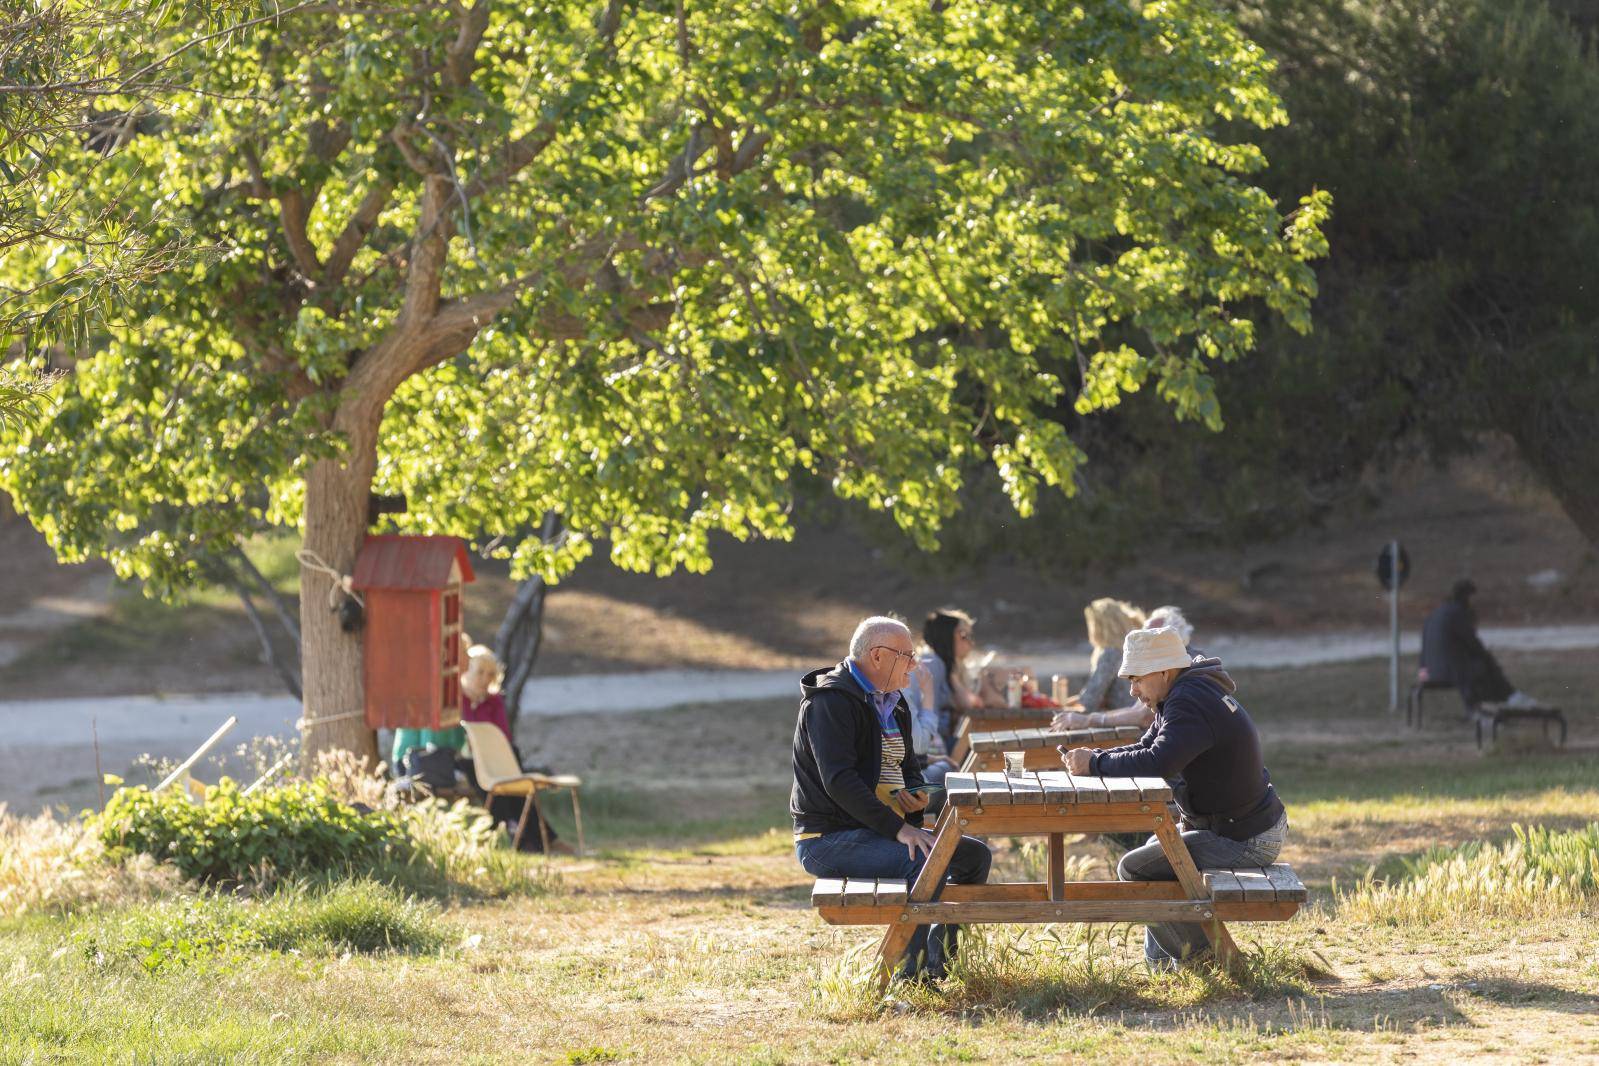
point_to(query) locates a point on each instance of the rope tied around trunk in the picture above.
(304, 725)
(344, 583)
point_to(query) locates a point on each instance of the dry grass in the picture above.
(51, 865)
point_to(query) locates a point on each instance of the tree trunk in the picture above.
(522, 632)
(1568, 468)
(336, 493)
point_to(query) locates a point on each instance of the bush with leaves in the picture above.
(300, 828)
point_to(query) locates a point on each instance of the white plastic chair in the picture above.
(495, 767)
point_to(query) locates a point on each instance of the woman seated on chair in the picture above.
(481, 702)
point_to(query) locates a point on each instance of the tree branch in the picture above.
(516, 155)
(429, 248)
(294, 211)
(460, 58)
(354, 234)
(285, 616)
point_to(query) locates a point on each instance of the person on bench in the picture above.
(1203, 743)
(854, 814)
(1453, 656)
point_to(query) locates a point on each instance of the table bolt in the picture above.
(1144, 807)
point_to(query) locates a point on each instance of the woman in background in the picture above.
(947, 634)
(1109, 622)
(481, 702)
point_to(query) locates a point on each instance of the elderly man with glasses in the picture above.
(856, 801)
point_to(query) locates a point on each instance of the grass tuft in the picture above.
(1541, 873)
(355, 916)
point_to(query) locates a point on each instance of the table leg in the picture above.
(927, 881)
(1188, 875)
(1057, 866)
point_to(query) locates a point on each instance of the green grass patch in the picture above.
(358, 916)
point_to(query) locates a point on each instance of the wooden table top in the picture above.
(1021, 739)
(1052, 787)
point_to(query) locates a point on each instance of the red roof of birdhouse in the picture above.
(401, 561)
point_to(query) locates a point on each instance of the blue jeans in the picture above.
(864, 853)
(1166, 944)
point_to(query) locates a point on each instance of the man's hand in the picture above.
(1077, 760)
(915, 840)
(911, 801)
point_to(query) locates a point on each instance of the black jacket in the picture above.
(1450, 647)
(838, 758)
(1203, 742)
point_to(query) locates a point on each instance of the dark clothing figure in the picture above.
(1454, 656)
(844, 825)
(838, 758)
(1204, 743)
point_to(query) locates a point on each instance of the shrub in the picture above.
(296, 829)
(1541, 872)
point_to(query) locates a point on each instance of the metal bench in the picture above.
(1490, 716)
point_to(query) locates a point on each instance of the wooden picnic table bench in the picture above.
(1037, 746)
(992, 719)
(1052, 804)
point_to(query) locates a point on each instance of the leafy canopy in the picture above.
(638, 263)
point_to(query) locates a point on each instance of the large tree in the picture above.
(636, 263)
(1461, 142)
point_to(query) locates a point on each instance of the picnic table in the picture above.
(1036, 747)
(994, 719)
(1052, 804)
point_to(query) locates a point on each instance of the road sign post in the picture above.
(1393, 567)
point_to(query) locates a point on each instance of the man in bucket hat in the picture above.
(1202, 742)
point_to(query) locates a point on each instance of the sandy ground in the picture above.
(49, 754)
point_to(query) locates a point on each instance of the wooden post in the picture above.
(1057, 866)
(1393, 626)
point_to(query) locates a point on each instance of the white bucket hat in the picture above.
(1149, 651)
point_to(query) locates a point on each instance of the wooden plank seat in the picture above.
(1254, 894)
(1037, 746)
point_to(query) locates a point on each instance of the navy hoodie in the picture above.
(838, 758)
(1204, 743)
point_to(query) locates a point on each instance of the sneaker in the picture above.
(1521, 700)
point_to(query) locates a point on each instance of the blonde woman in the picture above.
(481, 702)
(480, 689)
(1109, 622)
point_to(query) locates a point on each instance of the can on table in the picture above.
(1059, 689)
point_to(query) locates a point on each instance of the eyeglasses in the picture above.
(908, 654)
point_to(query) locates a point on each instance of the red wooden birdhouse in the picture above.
(412, 587)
